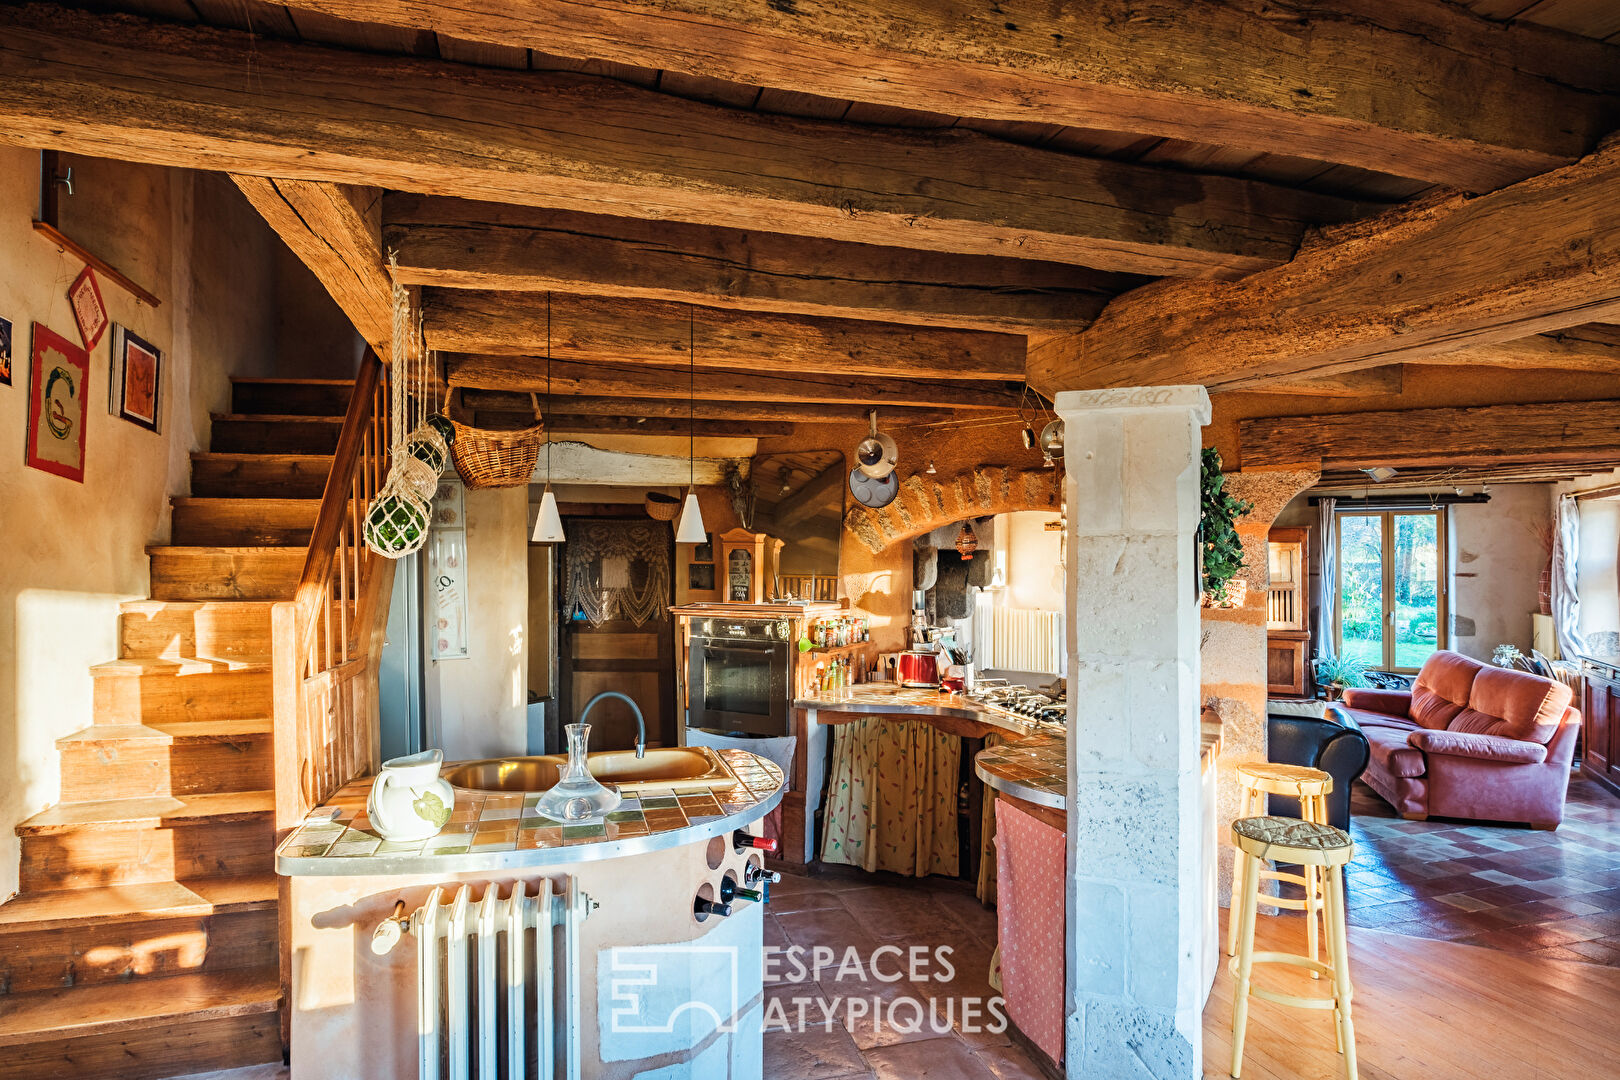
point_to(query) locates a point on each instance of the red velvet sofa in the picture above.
(1469, 741)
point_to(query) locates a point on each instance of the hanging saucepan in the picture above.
(876, 455)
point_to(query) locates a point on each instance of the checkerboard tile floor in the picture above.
(1555, 894)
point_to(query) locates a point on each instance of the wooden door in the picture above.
(617, 573)
(1601, 728)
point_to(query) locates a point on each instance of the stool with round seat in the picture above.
(1256, 780)
(1317, 847)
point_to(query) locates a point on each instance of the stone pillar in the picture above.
(1134, 992)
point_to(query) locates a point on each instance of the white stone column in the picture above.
(1133, 987)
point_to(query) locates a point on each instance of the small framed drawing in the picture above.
(88, 310)
(137, 371)
(700, 577)
(704, 552)
(58, 372)
(5, 352)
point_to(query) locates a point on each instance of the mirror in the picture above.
(799, 499)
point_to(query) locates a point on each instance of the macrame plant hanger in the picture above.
(398, 518)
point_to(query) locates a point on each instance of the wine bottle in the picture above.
(730, 890)
(754, 875)
(701, 906)
(743, 842)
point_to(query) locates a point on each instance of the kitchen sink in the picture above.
(684, 768)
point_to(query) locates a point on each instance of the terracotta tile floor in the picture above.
(1555, 894)
(866, 912)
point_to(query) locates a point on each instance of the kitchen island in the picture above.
(641, 981)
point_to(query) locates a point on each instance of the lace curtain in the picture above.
(617, 570)
(1327, 595)
(1566, 601)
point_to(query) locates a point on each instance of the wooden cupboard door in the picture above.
(1285, 666)
(1600, 730)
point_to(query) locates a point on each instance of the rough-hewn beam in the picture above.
(1437, 438)
(1363, 383)
(458, 243)
(528, 373)
(611, 330)
(1412, 87)
(679, 408)
(636, 425)
(1594, 347)
(1412, 283)
(335, 230)
(116, 86)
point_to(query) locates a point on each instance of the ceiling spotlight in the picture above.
(1484, 489)
(1028, 435)
(931, 470)
(1458, 490)
(1380, 473)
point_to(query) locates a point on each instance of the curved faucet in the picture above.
(641, 725)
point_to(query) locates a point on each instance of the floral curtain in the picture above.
(891, 802)
(987, 833)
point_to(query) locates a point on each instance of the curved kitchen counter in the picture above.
(1035, 769)
(490, 831)
(887, 699)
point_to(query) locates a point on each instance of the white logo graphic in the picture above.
(652, 987)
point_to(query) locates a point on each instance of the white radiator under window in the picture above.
(498, 983)
(1017, 639)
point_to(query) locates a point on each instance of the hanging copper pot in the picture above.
(967, 541)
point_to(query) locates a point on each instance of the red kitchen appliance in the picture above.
(919, 669)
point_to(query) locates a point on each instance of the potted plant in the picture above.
(1222, 546)
(1336, 674)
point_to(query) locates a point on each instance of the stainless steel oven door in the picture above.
(739, 685)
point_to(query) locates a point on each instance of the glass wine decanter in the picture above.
(577, 795)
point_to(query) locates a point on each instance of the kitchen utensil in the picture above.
(919, 669)
(874, 493)
(877, 454)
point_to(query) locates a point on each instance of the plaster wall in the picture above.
(1497, 560)
(1034, 561)
(74, 551)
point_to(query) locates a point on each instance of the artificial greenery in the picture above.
(1345, 672)
(1223, 548)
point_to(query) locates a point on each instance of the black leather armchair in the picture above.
(1333, 743)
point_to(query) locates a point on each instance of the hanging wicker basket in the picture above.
(497, 459)
(661, 507)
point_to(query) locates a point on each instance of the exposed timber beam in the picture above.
(458, 243)
(1577, 431)
(813, 498)
(1413, 87)
(1594, 347)
(335, 230)
(1364, 383)
(528, 373)
(122, 87)
(1415, 282)
(637, 425)
(612, 330)
(678, 408)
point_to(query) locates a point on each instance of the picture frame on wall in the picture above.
(5, 352)
(137, 379)
(88, 309)
(58, 377)
(700, 577)
(704, 552)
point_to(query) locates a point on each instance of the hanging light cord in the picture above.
(545, 417)
(691, 398)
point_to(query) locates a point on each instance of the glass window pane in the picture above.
(1417, 588)
(1361, 587)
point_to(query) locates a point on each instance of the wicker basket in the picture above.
(661, 507)
(496, 459)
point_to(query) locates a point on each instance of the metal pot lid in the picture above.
(871, 491)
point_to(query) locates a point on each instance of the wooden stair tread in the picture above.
(213, 549)
(105, 1009)
(141, 667)
(269, 501)
(167, 732)
(153, 900)
(322, 460)
(156, 811)
(281, 418)
(159, 607)
(244, 380)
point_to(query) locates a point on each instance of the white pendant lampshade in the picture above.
(691, 530)
(548, 525)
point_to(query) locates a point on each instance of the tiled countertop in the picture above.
(499, 831)
(887, 699)
(1035, 769)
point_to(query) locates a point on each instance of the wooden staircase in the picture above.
(144, 942)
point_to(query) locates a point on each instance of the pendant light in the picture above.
(548, 528)
(691, 530)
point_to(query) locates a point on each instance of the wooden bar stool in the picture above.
(1313, 846)
(1311, 787)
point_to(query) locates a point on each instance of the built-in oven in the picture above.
(740, 676)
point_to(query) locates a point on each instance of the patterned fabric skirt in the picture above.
(891, 797)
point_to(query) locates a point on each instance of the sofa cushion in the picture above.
(1514, 705)
(1389, 702)
(1363, 718)
(1391, 753)
(1442, 688)
(1484, 747)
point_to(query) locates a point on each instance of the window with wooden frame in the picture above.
(1391, 610)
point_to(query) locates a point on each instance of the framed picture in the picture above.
(5, 352)
(58, 373)
(88, 310)
(137, 369)
(700, 577)
(704, 552)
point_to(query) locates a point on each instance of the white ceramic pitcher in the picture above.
(409, 801)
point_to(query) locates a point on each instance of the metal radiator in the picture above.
(498, 978)
(1018, 639)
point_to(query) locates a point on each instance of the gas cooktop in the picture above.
(1023, 702)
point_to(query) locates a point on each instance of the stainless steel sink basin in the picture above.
(687, 768)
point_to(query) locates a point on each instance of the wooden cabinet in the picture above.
(1288, 607)
(1600, 713)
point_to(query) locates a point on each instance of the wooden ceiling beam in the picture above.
(168, 94)
(678, 408)
(1411, 87)
(458, 243)
(1577, 431)
(1407, 286)
(563, 424)
(1593, 347)
(335, 229)
(1367, 382)
(612, 330)
(528, 374)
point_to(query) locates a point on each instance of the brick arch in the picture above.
(927, 502)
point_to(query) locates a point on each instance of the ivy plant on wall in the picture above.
(1223, 548)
